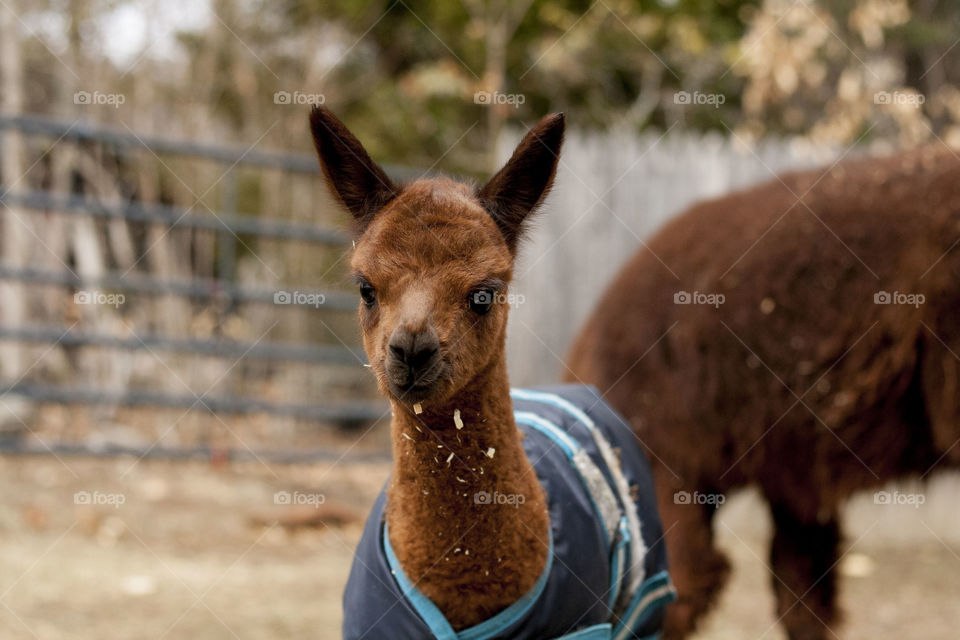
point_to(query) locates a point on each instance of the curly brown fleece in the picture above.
(799, 383)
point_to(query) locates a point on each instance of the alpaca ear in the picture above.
(516, 190)
(360, 184)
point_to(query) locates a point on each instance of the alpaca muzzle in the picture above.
(414, 363)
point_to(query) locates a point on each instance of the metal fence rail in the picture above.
(227, 224)
(129, 142)
(172, 216)
(263, 350)
(196, 288)
(341, 412)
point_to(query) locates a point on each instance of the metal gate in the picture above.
(223, 290)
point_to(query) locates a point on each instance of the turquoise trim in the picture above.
(434, 618)
(516, 611)
(552, 431)
(596, 632)
(644, 603)
(570, 448)
(654, 606)
(618, 562)
(557, 401)
(489, 628)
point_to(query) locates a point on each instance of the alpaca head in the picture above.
(433, 258)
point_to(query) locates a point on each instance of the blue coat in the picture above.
(606, 576)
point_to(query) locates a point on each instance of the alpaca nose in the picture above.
(416, 349)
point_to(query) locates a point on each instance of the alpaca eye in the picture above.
(480, 301)
(368, 294)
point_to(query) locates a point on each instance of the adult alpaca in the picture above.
(486, 530)
(831, 366)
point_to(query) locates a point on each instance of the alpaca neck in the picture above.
(471, 558)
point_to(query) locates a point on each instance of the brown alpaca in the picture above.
(572, 545)
(431, 246)
(799, 383)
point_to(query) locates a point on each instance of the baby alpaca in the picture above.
(521, 515)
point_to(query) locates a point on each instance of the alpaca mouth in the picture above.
(413, 392)
(410, 387)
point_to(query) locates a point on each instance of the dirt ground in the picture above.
(190, 550)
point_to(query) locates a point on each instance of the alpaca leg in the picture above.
(698, 570)
(803, 555)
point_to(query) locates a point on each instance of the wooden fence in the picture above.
(613, 191)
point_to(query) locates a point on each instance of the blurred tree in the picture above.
(406, 73)
(846, 71)
(422, 64)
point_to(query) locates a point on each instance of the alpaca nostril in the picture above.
(417, 350)
(421, 358)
